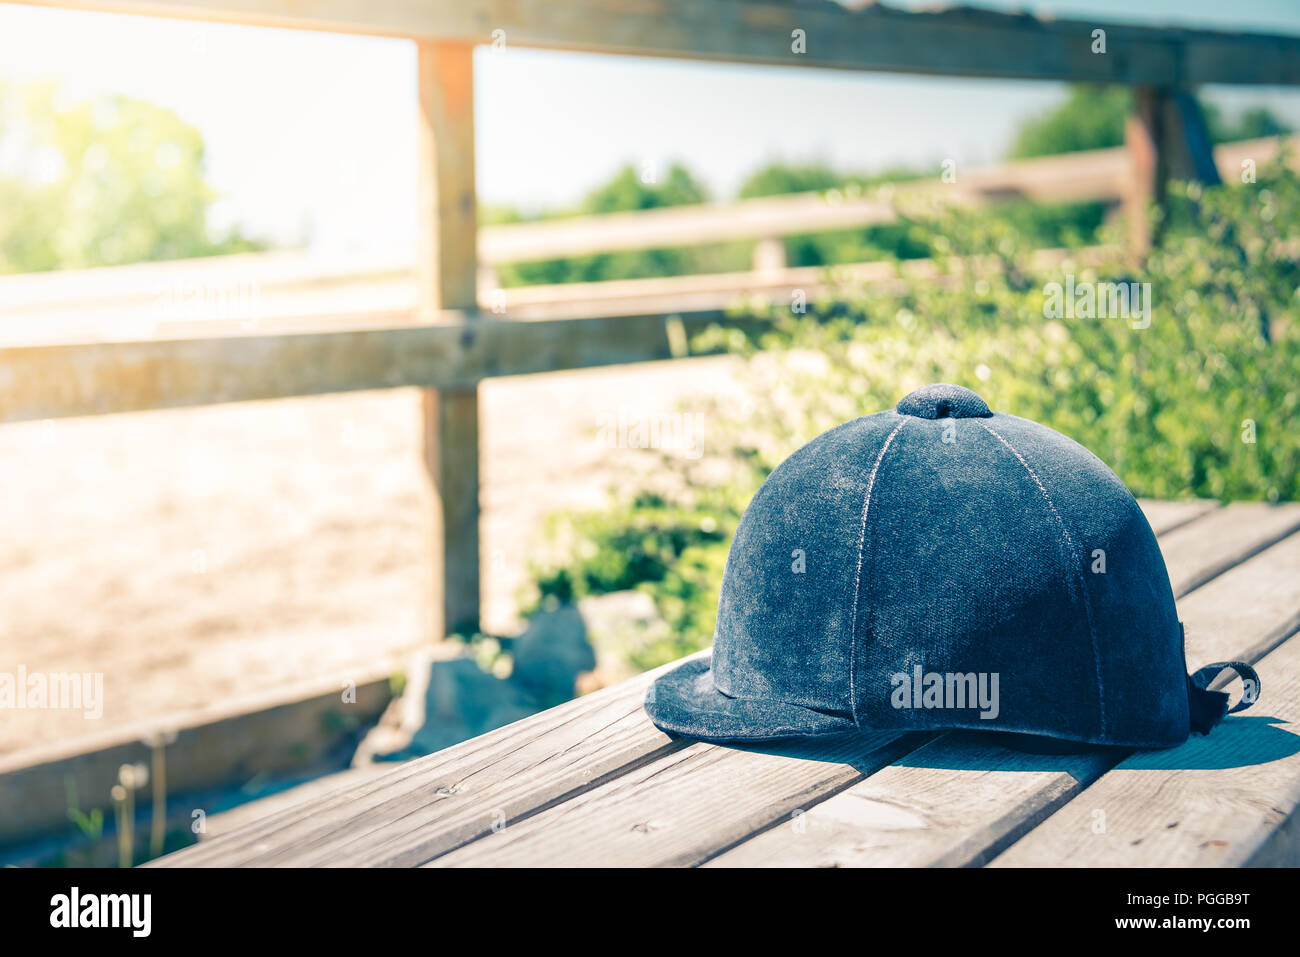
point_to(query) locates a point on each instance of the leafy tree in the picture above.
(1092, 118)
(776, 179)
(99, 182)
(629, 190)
(1253, 123)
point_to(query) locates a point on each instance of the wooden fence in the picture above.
(441, 334)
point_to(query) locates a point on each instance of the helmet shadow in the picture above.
(1236, 742)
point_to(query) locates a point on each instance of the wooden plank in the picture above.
(1247, 611)
(1198, 552)
(39, 382)
(214, 747)
(242, 815)
(958, 42)
(1282, 848)
(681, 809)
(952, 803)
(657, 817)
(447, 278)
(1216, 801)
(962, 799)
(1164, 516)
(433, 804)
(423, 809)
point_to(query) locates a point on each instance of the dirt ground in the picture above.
(197, 556)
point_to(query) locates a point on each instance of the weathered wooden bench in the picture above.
(592, 782)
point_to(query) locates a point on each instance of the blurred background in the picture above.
(197, 557)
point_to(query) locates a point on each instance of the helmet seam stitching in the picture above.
(1078, 575)
(857, 577)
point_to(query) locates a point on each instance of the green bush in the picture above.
(1170, 407)
(1166, 406)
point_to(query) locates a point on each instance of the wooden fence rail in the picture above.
(96, 343)
(954, 42)
(93, 303)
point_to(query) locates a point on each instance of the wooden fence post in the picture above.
(1167, 138)
(769, 255)
(448, 278)
(1142, 137)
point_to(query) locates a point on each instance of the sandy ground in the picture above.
(200, 555)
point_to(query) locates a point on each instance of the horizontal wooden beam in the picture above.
(301, 312)
(263, 288)
(1072, 177)
(220, 746)
(954, 42)
(91, 378)
(722, 291)
(607, 323)
(1083, 176)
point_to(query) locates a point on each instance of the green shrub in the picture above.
(1169, 406)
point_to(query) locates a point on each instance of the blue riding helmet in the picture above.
(942, 566)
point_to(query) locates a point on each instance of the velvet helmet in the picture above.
(941, 566)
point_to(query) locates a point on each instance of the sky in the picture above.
(311, 136)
